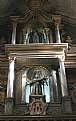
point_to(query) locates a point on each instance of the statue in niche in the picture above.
(38, 80)
(37, 89)
(36, 36)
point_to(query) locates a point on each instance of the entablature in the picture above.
(36, 50)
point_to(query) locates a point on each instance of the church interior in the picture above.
(37, 60)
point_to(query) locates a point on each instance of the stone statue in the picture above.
(36, 36)
(37, 81)
(33, 37)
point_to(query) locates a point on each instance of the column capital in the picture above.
(11, 58)
(47, 29)
(14, 20)
(61, 58)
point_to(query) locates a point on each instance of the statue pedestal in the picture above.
(9, 106)
(37, 105)
(66, 105)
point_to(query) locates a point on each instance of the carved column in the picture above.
(57, 20)
(10, 78)
(10, 85)
(62, 75)
(55, 89)
(14, 21)
(66, 100)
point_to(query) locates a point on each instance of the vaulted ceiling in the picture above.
(66, 8)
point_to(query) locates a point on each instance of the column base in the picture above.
(66, 105)
(9, 106)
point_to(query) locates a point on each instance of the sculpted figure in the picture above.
(38, 81)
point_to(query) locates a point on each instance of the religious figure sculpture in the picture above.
(33, 37)
(36, 36)
(37, 81)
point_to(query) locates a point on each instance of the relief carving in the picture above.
(37, 107)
